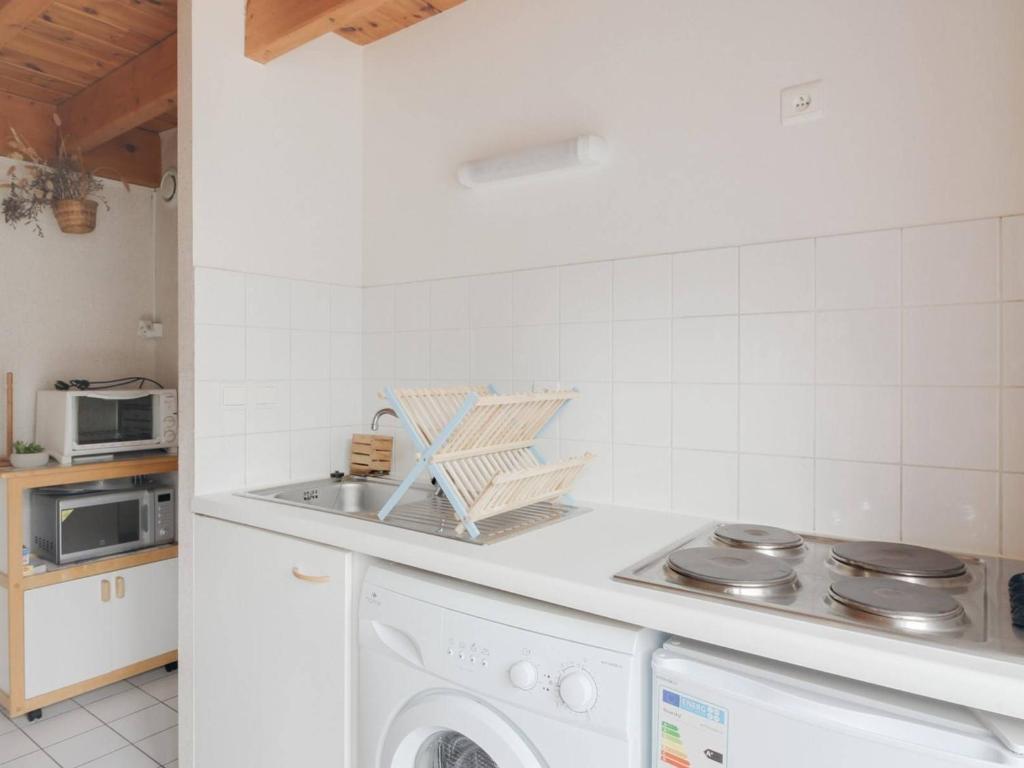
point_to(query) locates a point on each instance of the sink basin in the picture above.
(358, 496)
(421, 509)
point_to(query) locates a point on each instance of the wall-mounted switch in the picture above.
(151, 330)
(802, 103)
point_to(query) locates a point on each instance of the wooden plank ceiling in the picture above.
(69, 56)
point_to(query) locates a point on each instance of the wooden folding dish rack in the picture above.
(479, 447)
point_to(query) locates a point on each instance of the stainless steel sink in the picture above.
(421, 508)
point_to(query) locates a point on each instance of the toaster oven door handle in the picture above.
(119, 587)
(105, 590)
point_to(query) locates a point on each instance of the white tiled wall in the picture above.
(279, 366)
(861, 385)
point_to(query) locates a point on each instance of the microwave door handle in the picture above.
(144, 514)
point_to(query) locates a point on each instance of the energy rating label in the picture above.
(691, 732)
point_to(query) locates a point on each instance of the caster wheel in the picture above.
(35, 714)
(171, 667)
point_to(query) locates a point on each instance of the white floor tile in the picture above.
(50, 730)
(86, 746)
(172, 703)
(162, 747)
(15, 744)
(126, 757)
(163, 688)
(34, 760)
(51, 711)
(172, 764)
(6, 726)
(121, 704)
(150, 676)
(146, 722)
(105, 692)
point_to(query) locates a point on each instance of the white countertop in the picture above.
(572, 562)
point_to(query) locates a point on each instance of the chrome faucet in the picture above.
(375, 422)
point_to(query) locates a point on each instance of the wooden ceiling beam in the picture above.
(274, 27)
(144, 88)
(15, 15)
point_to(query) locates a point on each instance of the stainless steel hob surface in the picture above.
(917, 593)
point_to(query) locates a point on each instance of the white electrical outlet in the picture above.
(802, 103)
(150, 330)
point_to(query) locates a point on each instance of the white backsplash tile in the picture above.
(858, 423)
(492, 354)
(589, 416)
(411, 356)
(706, 283)
(220, 408)
(412, 307)
(535, 353)
(219, 297)
(777, 277)
(777, 490)
(268, 302)
(642, 350)
(311, 354)
(951, 426)
(346, 356)
(705, 350)
(777, 419)
(640, 414)
(777, 349)
(490, 300)
(346, 309)
(346, 397)
(1013, 344)
(310, 454)
(951, 263)
(705, 484)
(705, 416)
(857, 500)
(449, 304)
(268, 406)
(1013, 516)
(643, 288)
(951, 509)
(586, 352)
(267, 459)
(1012, 275)
(1013, 430)
(642, 477)
(378, 357)
(955, 345)
(858, 271)
(379, 309)
(311, 306)
(535, 296)
(267, 354)
(449, 356)
(219, 464)
(594, 484)
(858, 347)
(310, 404)
(585, 292)
(220, 353)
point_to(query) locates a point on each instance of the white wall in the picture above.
(277, 235)
(863, 386)
(924, 114)
(70, 304)
(165, 237)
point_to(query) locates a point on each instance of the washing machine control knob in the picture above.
(523, 675)
(578, 690)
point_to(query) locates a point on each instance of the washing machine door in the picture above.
(447, 729)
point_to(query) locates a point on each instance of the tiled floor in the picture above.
(130, 724)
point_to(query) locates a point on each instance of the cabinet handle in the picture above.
(105, 591)
(307, 577)
(119, 587)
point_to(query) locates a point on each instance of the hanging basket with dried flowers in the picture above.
(63, 185)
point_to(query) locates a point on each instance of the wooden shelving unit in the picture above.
(13, 485)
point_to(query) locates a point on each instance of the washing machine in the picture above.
(452, 675)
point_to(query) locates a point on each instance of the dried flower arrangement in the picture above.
(64, 185)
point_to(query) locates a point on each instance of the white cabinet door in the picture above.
(273, 649)
(145, 615)
(67, 633)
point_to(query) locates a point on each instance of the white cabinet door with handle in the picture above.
(273, 649)
(67, 633)
(145, 612)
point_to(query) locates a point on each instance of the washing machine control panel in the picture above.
(555, 676)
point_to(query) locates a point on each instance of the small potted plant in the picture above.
(28, 455)
(63, 185)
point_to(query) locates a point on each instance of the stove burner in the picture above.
(747, 570)
(897, 601)
(898, 559)
(763, 537)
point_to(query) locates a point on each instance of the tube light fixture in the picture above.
(579, 152)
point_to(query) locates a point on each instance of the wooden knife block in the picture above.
(371, 454)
